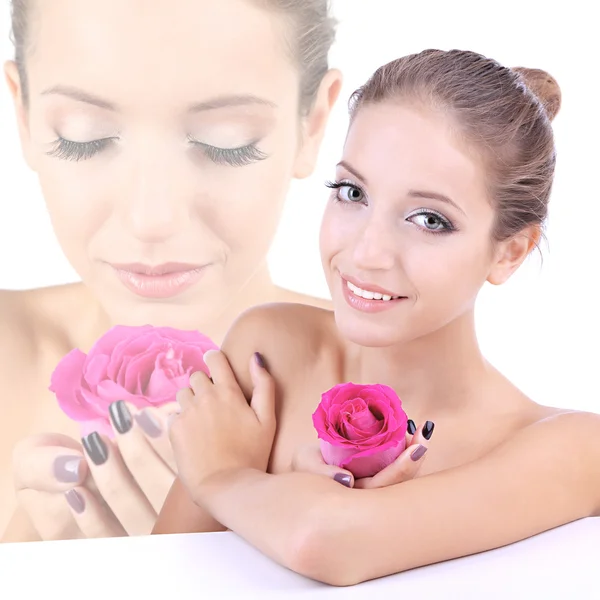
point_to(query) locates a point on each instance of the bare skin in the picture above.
(499, 468)
(473, 492)
(150, 147)
(38, 329)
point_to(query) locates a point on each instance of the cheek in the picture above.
(77, 201)
(450, 271)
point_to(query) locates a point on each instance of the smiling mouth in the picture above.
(369, 295)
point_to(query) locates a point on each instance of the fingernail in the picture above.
(344, 479)
(120, 416)
(260, 361)
(418, 452)
(411, 427)
(66, 468)
(95, 448)
(428, 429)
(75, 500)
(150, 426)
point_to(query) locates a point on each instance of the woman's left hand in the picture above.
(217, 430)
(309, 459)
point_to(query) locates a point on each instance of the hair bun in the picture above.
(544, 86)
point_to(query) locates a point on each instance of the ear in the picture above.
(511, 253)
(316, 123)
(13, 80)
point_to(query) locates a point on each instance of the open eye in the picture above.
(431, 221)
(347, 192)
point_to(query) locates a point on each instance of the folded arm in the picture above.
(542, 478)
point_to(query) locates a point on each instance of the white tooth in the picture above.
(367, 295)
(386, 297)
(377, 296)
(352, 286)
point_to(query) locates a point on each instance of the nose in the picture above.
(155, 209)
(376, 246)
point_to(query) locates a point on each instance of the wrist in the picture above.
(207, 493)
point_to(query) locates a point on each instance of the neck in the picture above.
(433, 374)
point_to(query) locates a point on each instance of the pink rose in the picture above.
(145, 366)
(361, 428)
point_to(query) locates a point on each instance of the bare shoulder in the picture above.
(33, 331)
(285, 334)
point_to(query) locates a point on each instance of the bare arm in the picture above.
(544, 477)
(180, 514)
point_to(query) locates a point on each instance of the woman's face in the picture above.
(165, 136)
(411, 221)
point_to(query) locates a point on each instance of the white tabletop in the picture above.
(563, 563)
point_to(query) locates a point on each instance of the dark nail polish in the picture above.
(260, 361)
(149, 425)
(95, 448)
(418, 452)
(66, 468)
(120, 416)
(411, 427)
(75, 500)
(428, 429)
(343, 478)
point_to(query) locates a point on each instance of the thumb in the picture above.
(263, 394)
(309, 459)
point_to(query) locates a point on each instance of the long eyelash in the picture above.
(449, 227)
(336, 185)
(76, 151)
(236, 157)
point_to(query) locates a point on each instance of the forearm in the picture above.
(293, 518)
(180, 514)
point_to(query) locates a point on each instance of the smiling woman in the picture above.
(164, 140)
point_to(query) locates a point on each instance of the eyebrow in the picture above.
(212, 104)
(420, 194)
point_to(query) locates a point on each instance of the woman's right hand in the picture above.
(406, 466)
(103, 488)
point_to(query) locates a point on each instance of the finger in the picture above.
(49, 515)
(220, 369)
(200, 384)
(423, 433)
(92, 518)
(48, 468)
(185, 397)
(263, 394)
(150, 472)
(405, 467)
(117, 486)
(309, 459)
(153, 422)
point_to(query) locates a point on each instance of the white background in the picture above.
(540, 329)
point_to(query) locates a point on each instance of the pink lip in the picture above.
(364, 305)
(158, 281)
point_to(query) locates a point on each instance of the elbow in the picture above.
(320, 548)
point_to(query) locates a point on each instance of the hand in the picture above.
(405, 467)
(217, 429)
(110, 488)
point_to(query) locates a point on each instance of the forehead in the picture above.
(408, 142)
(129, 47)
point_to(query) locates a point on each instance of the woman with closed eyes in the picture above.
(164, 138)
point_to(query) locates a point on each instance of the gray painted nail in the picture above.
(344, 479)
(150, 426)
(66, 468)
(75, 500)
(418, 452)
